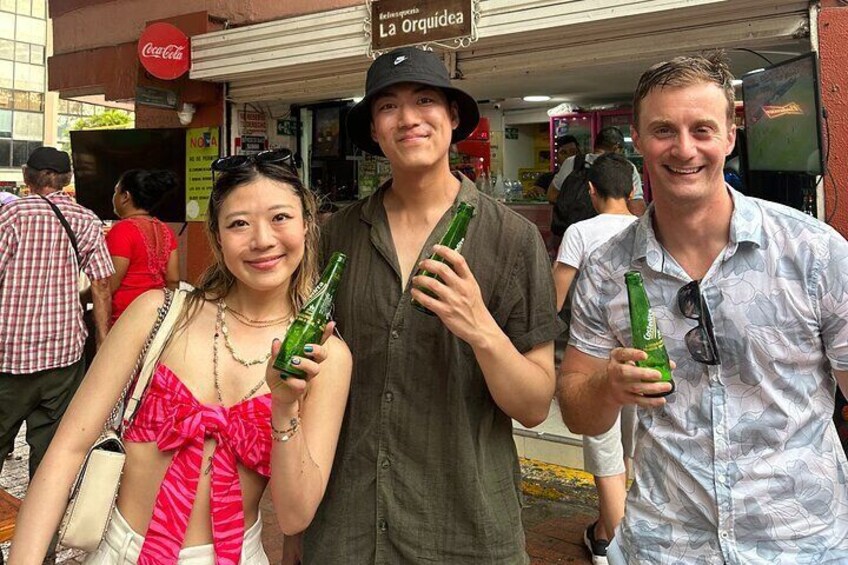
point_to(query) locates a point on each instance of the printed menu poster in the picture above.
(202, 146)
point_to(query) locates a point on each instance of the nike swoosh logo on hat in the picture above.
(400, 59)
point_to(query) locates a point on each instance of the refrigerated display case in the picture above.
(578, 124)
(621, 119)
(586, 125)
(473, 156)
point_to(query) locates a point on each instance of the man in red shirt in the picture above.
(41, 326)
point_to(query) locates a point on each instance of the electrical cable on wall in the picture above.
(827, 170)
(758, 54)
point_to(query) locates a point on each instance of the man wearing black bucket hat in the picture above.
(426, 469)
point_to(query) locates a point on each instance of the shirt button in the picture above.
(724, 534)
(383, 525)
(395, 334)
(389, 397)
(386, 464)
(722, 480)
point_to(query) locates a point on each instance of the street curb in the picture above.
(555, 482)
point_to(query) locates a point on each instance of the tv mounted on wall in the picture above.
(783, 117)
(101, 156)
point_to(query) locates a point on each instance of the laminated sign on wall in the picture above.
(252, 123)
(202, 145)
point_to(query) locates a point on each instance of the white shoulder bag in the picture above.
(95, 489)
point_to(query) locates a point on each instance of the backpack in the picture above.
(573, 204)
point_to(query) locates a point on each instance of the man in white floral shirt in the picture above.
(741, 464)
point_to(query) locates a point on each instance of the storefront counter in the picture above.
(540, 213)
(537, 212)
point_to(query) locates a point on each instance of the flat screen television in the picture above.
(101, 156)
(783, 117)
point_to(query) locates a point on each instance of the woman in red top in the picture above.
(143, 249)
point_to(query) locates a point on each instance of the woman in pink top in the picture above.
(217, 425)
(143, 249)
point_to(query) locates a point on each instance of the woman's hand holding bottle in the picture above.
(289, 391)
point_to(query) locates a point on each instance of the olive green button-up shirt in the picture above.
(426, 469)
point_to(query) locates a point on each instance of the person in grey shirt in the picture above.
(608, 140)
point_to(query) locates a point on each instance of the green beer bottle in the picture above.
(309, 325)
(646, 334)
(453, 238)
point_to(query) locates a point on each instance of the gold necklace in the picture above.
(219, 326)
(236, 355)
(257, 323)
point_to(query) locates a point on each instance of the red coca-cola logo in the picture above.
(175, 52)
(163, 50)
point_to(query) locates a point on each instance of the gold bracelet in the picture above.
(285, 435)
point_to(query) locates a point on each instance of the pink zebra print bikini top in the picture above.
(171, 416)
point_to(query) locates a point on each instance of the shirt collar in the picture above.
(746, 226)
(372, 209)
(58, 194)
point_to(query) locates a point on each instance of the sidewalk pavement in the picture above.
(558, 504)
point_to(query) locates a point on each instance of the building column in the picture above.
(833, 36)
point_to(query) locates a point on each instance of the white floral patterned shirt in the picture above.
(743, 465)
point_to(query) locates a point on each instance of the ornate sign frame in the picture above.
(454, 44)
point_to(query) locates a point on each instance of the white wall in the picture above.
(529, 116)
(518, 153)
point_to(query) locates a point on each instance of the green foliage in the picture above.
(109, 119)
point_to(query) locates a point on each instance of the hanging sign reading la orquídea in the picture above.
(397, 23)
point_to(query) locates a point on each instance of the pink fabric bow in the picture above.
(176, 421)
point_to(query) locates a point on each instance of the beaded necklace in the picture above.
(221, 328)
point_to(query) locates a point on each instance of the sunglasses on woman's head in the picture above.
(700, 340)
(234, 162)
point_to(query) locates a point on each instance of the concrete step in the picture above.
(550, 442)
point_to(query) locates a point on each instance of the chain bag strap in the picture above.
(95, 489)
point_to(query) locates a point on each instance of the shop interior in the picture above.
(778, 155)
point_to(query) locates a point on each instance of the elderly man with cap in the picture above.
(45, 240)
(426, 469)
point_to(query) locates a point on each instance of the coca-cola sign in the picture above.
(163, 50)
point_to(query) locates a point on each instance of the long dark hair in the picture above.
(217, 280)
(147, 187)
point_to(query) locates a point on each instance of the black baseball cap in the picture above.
(408, 64)
(49, 158)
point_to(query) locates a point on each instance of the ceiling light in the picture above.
(536, 98)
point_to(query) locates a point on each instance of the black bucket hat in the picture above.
(408, 64)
